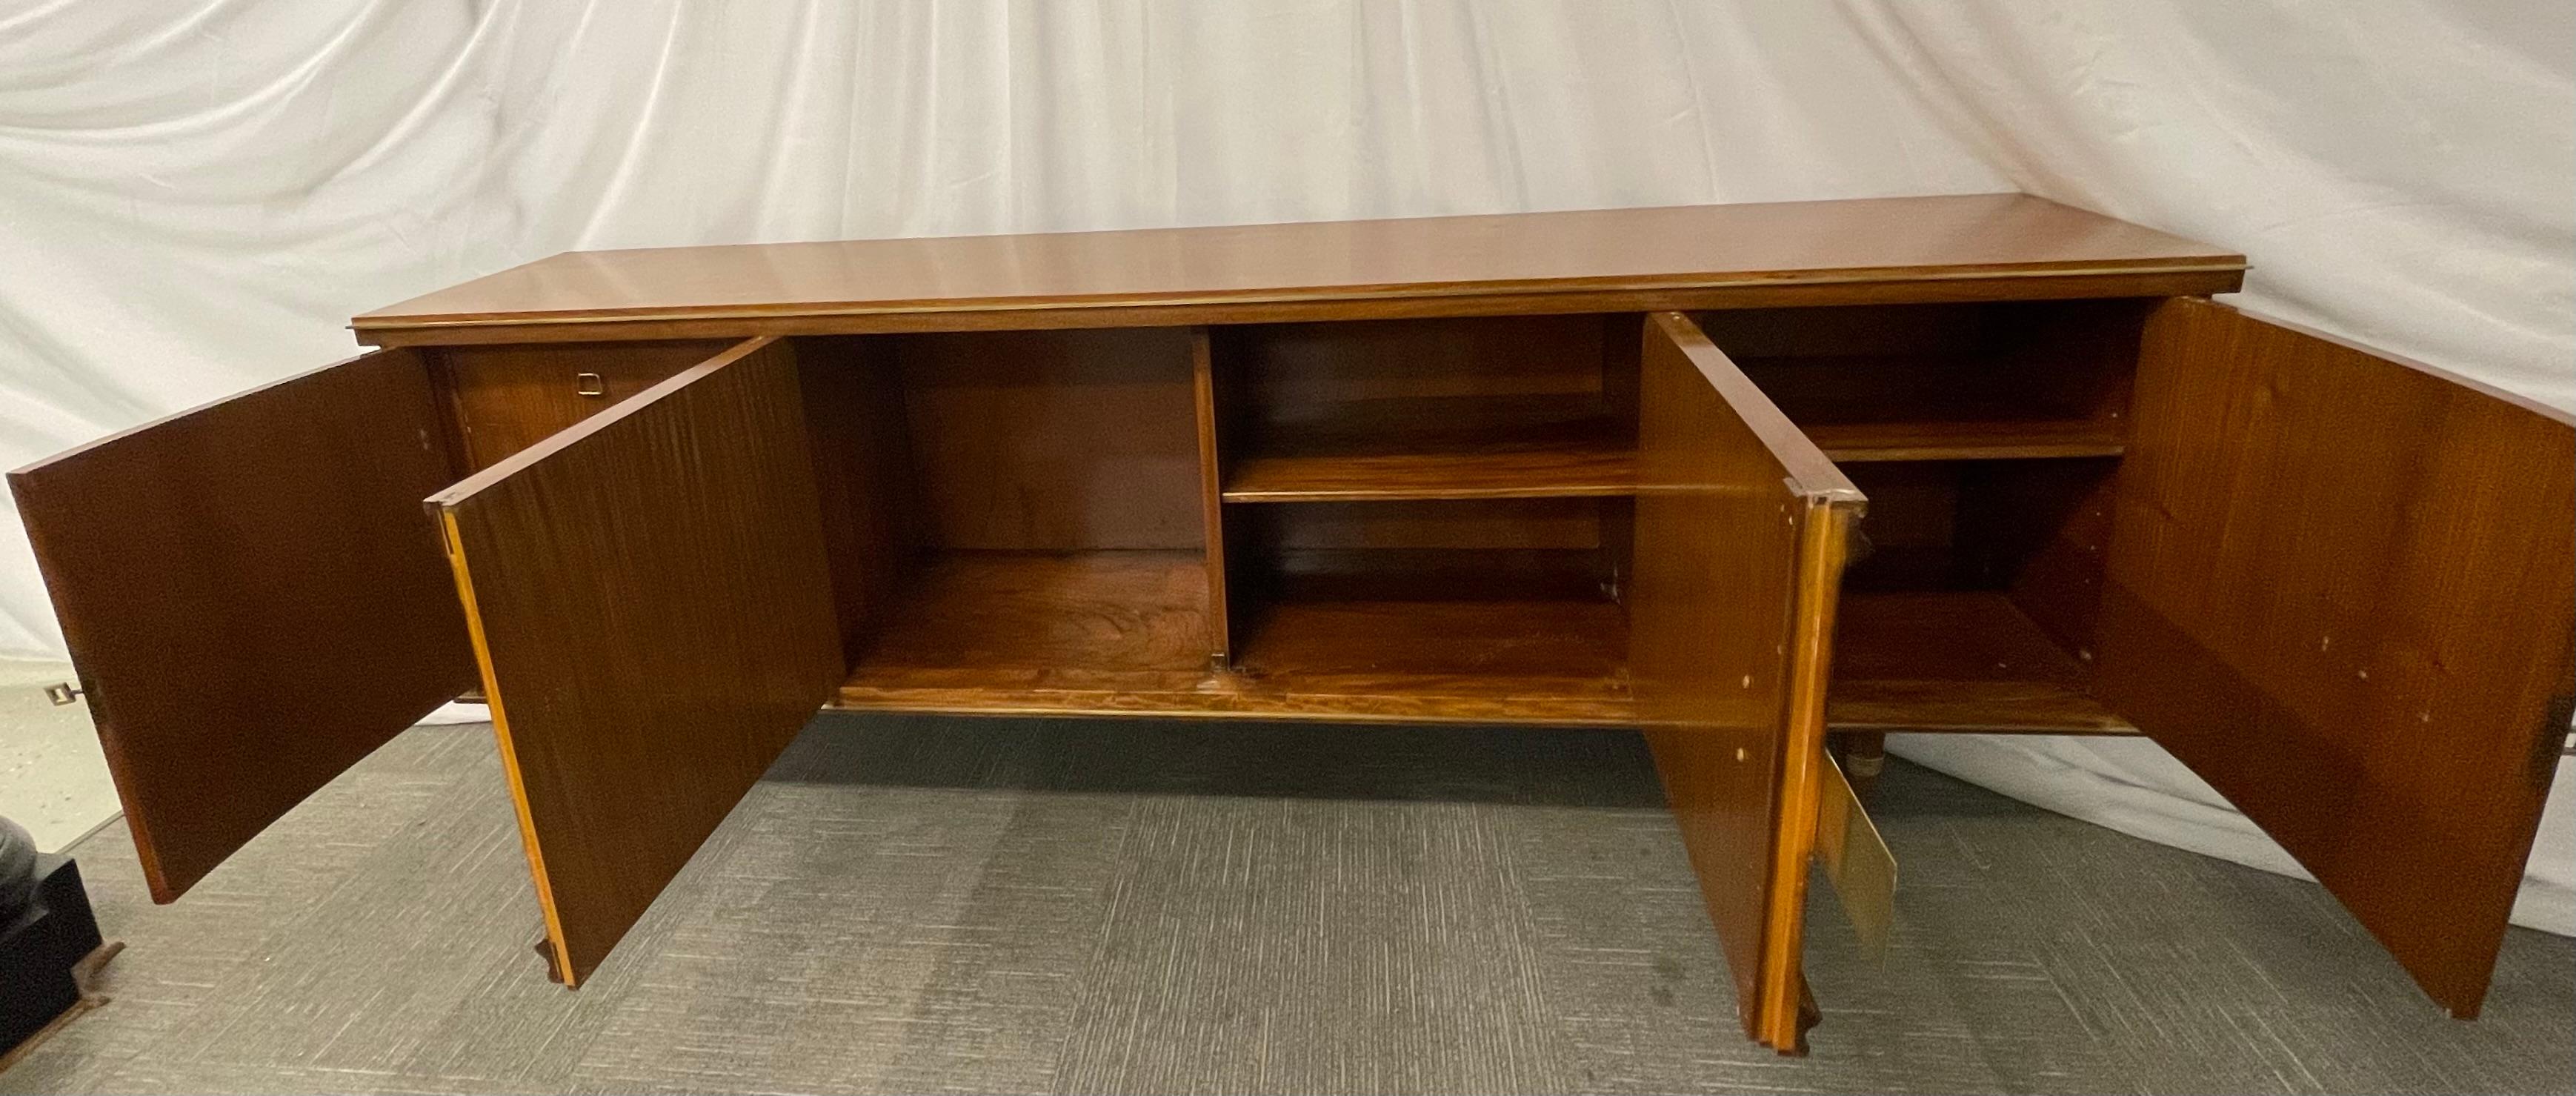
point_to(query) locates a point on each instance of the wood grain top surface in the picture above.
(1608, 250)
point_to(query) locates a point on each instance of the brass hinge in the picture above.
(64, 692)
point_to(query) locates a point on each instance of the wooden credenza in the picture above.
(1589, 468)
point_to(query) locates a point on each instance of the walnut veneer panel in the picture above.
(650, 600)
(1741, 528)
(2342, 589)
(252, 598)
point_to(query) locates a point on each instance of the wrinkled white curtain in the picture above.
(195, 196)
(2397, 171)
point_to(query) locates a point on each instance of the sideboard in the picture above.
(1598, 468)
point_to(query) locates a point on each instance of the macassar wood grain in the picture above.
(251, 597)
(654, 616)
(1740, 532)
(2340, 588)
(1212, 465)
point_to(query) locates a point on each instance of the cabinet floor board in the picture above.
(1117, 633)
(1956, 661)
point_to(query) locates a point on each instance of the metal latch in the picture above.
(589, 384)
(63, 692)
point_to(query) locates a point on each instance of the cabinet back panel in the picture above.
(2042, 531)
(1291, 368)
(1054, 440)
(508, 397)
(2035, 530)
(1911, 526)
(2022, 361)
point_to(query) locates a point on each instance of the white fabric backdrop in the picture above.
(194, 198)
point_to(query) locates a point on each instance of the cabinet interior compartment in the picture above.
(1987, 437)
(1013, 516)
(1040, 522)
(1435, 512)
(1989, 380)
(1973, 607)
(1473, 609)
(1499, 407)
(1415, 519)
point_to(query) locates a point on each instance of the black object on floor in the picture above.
(42, 940)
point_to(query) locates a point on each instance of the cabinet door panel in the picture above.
(2340, 590)
(251, 598)
(650, 602)
(1741, 527)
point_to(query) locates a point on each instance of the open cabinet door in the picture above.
(1741, 532)
(648, 596)
(2340, 590)
(251, 598)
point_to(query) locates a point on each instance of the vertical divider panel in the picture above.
(863, 476)
(1211, 486)
(1622, 367)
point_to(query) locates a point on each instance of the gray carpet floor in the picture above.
(916, 905)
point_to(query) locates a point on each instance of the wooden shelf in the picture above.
(1122, 633)
(1557, 473)
(1956, 661)
(1854, 443)
(1478, 447)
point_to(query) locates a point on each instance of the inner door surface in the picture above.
(251, 598)
(650, 602)
(2340, 590)
(1741, 531)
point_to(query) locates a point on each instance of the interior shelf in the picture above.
(1434, 448)
(1852, 443)
(1537, 473)
(1956, 661)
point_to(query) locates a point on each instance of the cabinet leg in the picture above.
(1863, 755)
